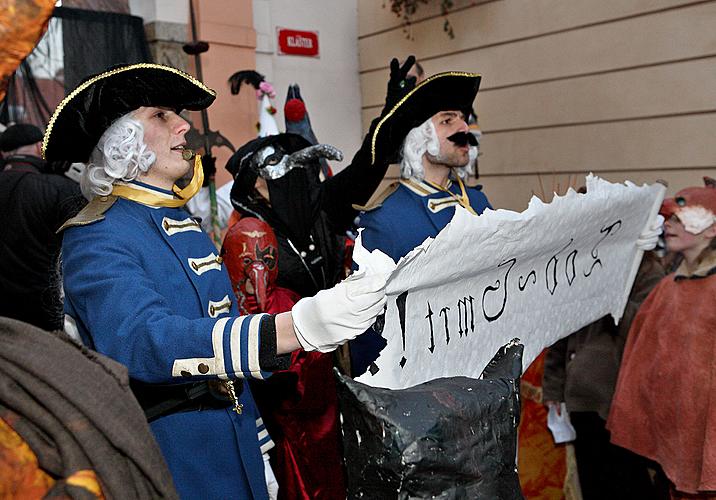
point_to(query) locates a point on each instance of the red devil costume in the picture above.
(664, 407)
(299, 405)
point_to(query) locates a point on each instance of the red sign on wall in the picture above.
(297, 43)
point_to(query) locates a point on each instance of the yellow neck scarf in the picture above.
(157, 200)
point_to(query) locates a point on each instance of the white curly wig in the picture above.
(424, 139)
(120, 154)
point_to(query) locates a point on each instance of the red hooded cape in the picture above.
(664, 406)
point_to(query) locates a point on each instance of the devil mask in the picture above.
(250, 253)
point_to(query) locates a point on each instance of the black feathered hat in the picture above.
(452, 90)
(240, 165)
(290, 143)
(18, 135)
(87, 112)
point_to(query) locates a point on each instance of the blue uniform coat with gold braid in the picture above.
(408, 213)
(412, 212)
(145, 287)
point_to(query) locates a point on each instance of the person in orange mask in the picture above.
(664, 406)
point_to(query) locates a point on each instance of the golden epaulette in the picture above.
(93, 212)
(377, 202)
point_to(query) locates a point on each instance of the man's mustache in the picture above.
(463, 139)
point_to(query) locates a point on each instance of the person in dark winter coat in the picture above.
(581, 370)
(663, 406)
(34, 201)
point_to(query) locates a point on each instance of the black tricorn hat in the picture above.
(18, 135)
(452, 90)
(87, 112)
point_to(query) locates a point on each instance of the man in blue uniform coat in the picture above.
(437, 149)
(145, 286)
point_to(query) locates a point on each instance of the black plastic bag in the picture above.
(450, 438)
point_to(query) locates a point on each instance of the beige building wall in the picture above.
(622, 88)
(329, 83)
(227, 25)
(242, 35)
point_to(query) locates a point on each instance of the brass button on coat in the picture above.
(203, 369)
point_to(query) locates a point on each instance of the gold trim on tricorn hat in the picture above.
(87, 112)
(451, 90)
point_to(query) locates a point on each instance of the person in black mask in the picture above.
(276, 179)
(35, 199)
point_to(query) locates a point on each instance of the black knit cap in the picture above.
(452, 90)
(18, 135)
(87, 112)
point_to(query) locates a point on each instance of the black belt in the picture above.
(159, 400)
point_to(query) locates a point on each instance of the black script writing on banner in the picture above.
(499, 284)
(523, 284)
(400, 302)
(569, 267)
(550, 271)
(613, 228)
(462, 315)
(429, 317)
(444, 313)
(562, 267)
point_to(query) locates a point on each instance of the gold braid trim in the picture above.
(106, 74)
(405, 98)
(463, 200)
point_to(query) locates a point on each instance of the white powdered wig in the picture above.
(120, 154)
(469, 169)
(424, 139)
(696, 219)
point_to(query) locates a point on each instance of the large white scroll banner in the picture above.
(538, 276)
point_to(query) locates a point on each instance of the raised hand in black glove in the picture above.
(399, 84)
(358, 181)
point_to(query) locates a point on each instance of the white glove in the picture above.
(559, 424)
(334, 316)
(648, 239)
(271, 483)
